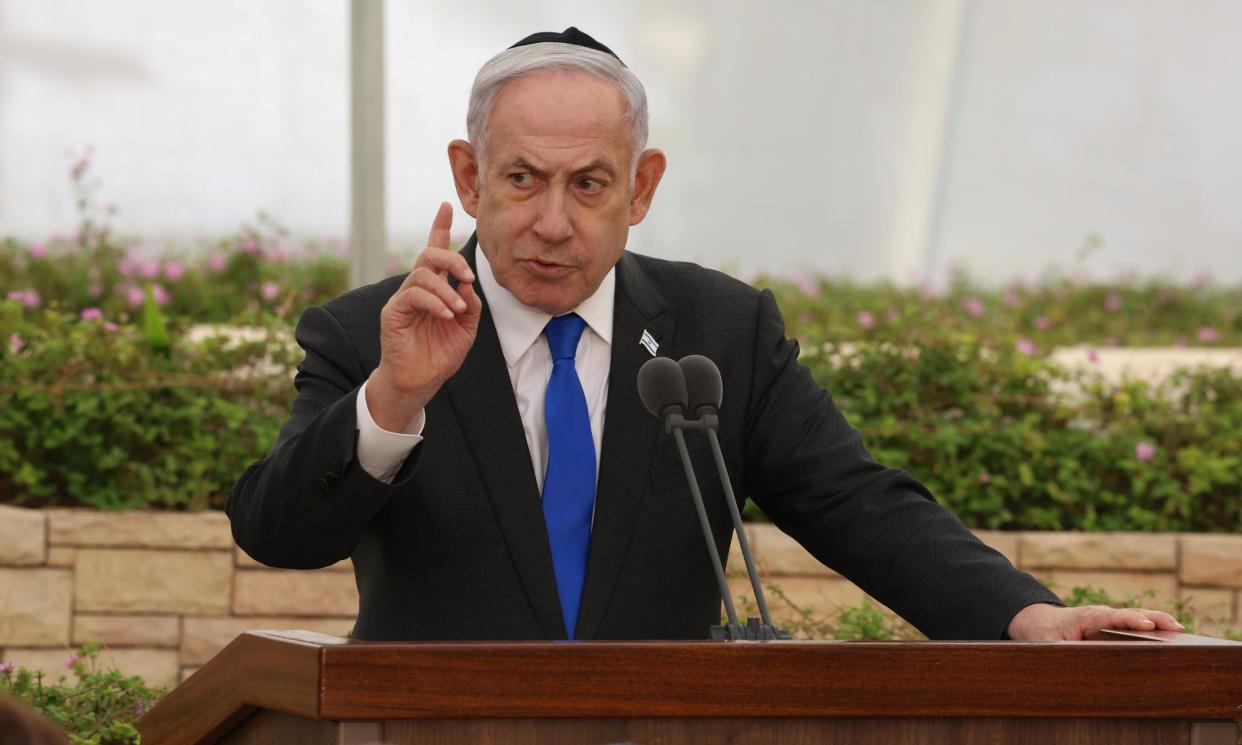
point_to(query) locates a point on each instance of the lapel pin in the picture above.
(649, 343)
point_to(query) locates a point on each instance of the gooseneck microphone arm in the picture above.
(742, 541)
(680, 437)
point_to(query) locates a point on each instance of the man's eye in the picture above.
(520, 179)
(591, 186)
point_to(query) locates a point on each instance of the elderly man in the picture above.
(472, 436)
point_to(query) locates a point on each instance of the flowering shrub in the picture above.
(1008, 440)
(251, 275)
(113, 417)
(1033, 318)
(100, 707)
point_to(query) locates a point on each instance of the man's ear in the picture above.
(651, 166)
(465, 175)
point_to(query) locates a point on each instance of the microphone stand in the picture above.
(755, 629)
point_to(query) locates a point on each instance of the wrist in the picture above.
(391, 408)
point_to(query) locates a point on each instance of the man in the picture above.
(404, 448)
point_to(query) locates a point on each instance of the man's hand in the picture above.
(1042, 622)
(426, 329)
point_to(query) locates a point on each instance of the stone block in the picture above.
(138, 529)
(778, 555)
(62, 556)
(1212, 560)
(138, 580)
(35, 606)
(206, 635)
(1120, 585)
(127, 630)
(292, 592)
(1209, 603)
(243, 560)
(824, 597)
(23, 536)
(187, 672)
(1003, 541)
(158, 667)
(1099, 551)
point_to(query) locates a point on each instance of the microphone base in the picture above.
(752, 631)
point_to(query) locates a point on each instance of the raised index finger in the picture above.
(439, 237)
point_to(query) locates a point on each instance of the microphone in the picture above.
(705, 390)
(671, 390)
(662, 388)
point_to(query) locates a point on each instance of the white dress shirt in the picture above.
(525, 349)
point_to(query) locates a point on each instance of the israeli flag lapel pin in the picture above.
(649, 343)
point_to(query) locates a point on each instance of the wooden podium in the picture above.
(278, 687)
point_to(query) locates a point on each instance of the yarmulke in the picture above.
(570, 35)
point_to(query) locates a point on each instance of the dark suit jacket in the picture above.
(456, 548)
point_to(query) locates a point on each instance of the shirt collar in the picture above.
(518, 326)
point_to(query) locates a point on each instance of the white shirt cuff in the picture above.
(380, 452)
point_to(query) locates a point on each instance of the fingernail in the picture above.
(461, 304)
(469, 275)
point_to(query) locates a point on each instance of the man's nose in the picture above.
(553, 224)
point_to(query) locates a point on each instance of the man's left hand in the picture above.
(1044, 623)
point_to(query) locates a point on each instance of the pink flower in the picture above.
(1112, 303)
(1011, 299)
(72, 660)
(7, 666)
(217, 262)
(1179, 341)
(173, 270)
(162, 296)
(892, 315)
(27, 297)
(149, 269)
(1144, 451)
(280, 255)
(806, 283)
(973, 306)
(92, 314)
(1043, 323)
(250, 245)
(110, 327)
(1207, 335)
(929, 291)
(37, 250)
(269, 291)
(134, 296)
(16, 344)
(95, 290)
(866, 319)
(1026, 346)
(1092, 356)
(985, 478)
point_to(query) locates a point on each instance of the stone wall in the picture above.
(166, 591)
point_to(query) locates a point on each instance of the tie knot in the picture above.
(563, 333)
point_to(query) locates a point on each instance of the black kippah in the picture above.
(570, 35)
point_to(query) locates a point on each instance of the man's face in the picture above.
(555, 201)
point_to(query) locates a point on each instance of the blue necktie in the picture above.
(569, 482)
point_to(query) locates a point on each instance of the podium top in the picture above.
(1163, 675)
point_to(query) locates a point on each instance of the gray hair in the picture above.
(532, 58)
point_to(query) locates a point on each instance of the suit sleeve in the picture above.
(807, 468)
(306, 504)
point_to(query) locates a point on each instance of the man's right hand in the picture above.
(426, 329)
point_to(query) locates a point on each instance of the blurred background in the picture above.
(873, 140)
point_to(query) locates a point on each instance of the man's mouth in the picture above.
(546, 269)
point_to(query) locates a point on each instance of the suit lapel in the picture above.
(483, 400)
(630, 438)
